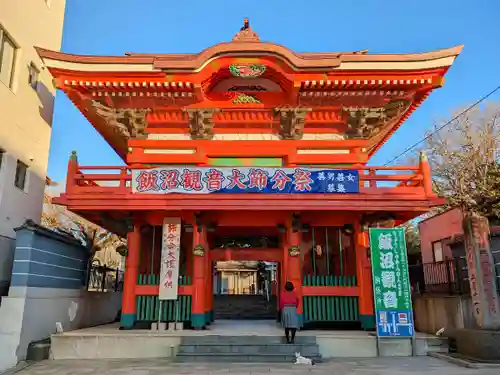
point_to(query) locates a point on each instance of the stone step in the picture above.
(233, 305)
(242, 301)
(437, 345)
(239, 358)
(244, 307)
(235, 349)
(243, 317)
(239, 307)
(436, 349)
(244, 340)
(308, 350)
(437, 341)
(229, 316)
(246, 311)
(251, 308)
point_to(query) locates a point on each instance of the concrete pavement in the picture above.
(367, 366)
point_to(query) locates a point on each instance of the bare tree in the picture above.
(463, 159)
(102, 244)
(412, 237)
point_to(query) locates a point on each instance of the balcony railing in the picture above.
(446, 277)
(397, 180)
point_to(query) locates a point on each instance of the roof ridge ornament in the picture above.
(246, 34)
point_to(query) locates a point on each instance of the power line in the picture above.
(444, 125)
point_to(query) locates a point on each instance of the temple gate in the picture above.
(249, 138)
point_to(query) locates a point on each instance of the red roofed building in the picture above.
(248, 137)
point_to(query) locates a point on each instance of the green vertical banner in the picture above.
(391, 283)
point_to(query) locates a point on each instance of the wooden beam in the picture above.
(214, 145)
(256, 219)
(267, 255)
(203, 150)
(355, 202)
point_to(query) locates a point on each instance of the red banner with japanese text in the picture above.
(170, 252)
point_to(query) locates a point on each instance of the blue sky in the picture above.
(112, 27)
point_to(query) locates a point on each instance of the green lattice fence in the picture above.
(330, 309)
(154, 279)
(330, 281)
(149, 307)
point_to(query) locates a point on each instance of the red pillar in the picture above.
(198, 310)
(128, 315)
(209, 296)
(364, 276)
(425, 169)
(71, 182)
(211, 289)
(291, 257)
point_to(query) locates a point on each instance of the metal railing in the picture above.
(446, 277)
(104, 279)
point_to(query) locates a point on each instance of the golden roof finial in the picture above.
(246, 24)
(423, 156)
(246, 34)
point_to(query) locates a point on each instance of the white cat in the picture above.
(303, 360)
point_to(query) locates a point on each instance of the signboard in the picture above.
(391, 284)
(170, 251)
(481, 271)
(197, 180)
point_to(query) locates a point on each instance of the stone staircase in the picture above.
(436, 345)
(243, 349)
(244, 307)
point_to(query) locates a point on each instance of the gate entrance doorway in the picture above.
(244, 290)
(245, 263)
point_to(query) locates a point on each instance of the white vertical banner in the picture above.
(170, 255)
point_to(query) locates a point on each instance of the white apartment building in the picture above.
(26, 106)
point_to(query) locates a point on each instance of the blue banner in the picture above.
(395, 323)
(197, 180)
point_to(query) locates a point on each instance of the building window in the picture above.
(33, 76)
(437, 251)
(7, 59)
(21, 173)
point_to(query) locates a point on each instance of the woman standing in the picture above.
(288, 307)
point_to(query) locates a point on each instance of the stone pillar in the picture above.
(128, 316)
(481, 271)
(364, 277)
(198, 309)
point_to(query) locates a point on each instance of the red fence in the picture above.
(373, 180)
